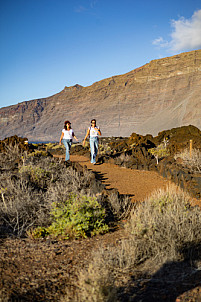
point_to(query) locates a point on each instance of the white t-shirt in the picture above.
(94, 131)
(68, 134)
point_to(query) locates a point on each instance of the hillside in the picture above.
(160, 95)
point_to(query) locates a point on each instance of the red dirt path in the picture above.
(138, 184)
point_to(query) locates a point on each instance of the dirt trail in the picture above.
(136, 183)
(42, 270)
(139, 184)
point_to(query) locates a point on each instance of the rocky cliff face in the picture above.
(160, 95)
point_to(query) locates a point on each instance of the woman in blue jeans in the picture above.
(66, 138)
(93, 132)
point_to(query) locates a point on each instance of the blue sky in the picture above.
(49, 44)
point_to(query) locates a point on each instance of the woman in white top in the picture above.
(66, 138)
(94, 132)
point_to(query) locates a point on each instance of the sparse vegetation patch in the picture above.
(163, 229)
(40, 196)
(191, 160)
(52, 208)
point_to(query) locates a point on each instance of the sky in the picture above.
(46, 45)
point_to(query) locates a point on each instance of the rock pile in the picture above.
(133, 152)
(22, 143)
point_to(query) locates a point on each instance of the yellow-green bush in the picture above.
(38, 153)
(39, 232)
(36, 173)
(79, 216)
(159, 152)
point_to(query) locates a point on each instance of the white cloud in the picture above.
(186, 34)
(160, 42)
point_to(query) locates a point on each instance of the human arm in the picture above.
(98, 130)
(62, 134)
(88, 131)
(75, 137)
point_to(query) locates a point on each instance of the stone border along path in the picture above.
(138, 184)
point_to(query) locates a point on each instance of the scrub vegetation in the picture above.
(163, 229)
(40, 197)
(191, 161)
(43, 201)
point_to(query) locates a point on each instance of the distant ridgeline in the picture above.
(160, 95)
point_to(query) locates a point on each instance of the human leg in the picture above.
(94, 149)
(67, 144)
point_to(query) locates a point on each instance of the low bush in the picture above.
(11, 156)
(35, 173)
(29, 187)
(95, 284)
(193, 161)
(159, 152)
(163, 228)
(79, 216)
(120, 206)
(163, 224)
(21, 207)
(39, 153)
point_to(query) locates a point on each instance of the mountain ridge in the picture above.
(159, 95)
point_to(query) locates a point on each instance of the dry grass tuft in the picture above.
(163, 224)
(193, 162)
(120, 207)
(163, 228)
(95, 283)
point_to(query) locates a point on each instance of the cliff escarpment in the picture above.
(160, 95)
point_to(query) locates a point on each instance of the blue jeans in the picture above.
(94, 148)
(67, 143)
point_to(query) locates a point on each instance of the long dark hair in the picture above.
(93, 121)
(65, 123)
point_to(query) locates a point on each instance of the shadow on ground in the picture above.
(171, 281)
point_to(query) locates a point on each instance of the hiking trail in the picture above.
(138, 184)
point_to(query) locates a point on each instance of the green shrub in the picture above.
(79, 216)
(38, 153)
(36, 173)
(39, 232)
(159, 152)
